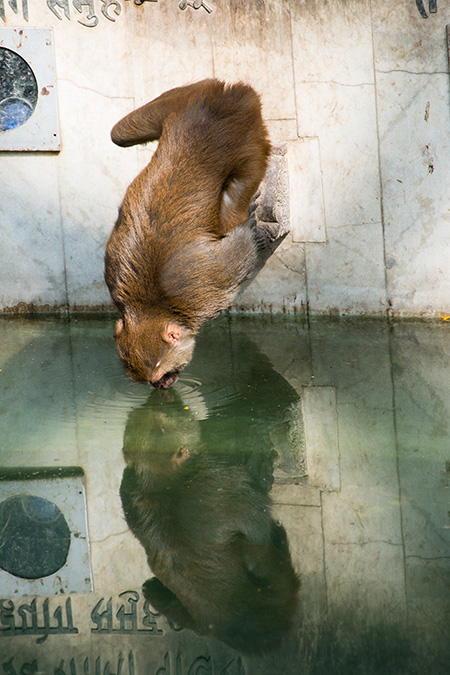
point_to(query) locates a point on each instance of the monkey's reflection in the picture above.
(203, 515)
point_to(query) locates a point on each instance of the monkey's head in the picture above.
(153, 350)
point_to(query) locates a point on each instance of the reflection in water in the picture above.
(197, 498)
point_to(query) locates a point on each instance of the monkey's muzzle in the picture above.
(166, 380)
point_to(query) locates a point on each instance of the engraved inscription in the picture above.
(29, 619)
(125, 619)
(90, 9)
(125, 664)
(432, 8)
(91, 18)
(127, 614)
(15, 8)
(62, 4)
(196, 4)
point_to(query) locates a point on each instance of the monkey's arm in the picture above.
(240, 187)
(202, 278)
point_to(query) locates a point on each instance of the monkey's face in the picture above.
(153, 350)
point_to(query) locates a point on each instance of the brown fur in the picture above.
(181, 245)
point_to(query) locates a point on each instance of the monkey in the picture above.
(221, 562)
(182, 243)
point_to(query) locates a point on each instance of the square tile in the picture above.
(44, 547)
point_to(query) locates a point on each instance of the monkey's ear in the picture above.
(119, 328)
(172, 333)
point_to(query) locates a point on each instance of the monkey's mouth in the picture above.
(166, 380)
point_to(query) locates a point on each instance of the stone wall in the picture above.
(356, 92)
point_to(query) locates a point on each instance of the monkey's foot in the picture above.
(251, 218)
(265, 233)
(254, 203)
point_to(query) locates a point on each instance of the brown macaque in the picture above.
(182, 245)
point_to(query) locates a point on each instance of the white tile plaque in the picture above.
(28, 99)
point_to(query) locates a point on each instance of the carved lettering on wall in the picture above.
(89, 9)
(124, 665)
(124, 618)
(29, 619)
(15, 8)
(127, 614)
(196, 4)
(432, 8)
(176, 663)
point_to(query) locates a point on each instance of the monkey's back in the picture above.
(211, 156)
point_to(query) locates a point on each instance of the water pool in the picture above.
(336, 428)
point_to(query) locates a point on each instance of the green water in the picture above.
(337, 429)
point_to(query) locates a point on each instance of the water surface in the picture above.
(335, 431)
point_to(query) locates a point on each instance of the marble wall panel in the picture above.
(251, 42)
(327, 36)
(31, 239)
(279, 286)
(347, 274)
(343, 118)
(404, 40)
(335, 99)
(281, 131)
(98, 64)
(412, 99)
(169, 47)
(414, 120)
(307, 216)
(94, 174)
